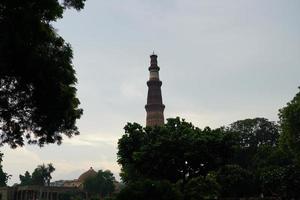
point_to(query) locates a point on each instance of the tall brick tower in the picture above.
(154, 107)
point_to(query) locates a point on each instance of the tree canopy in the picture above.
(180, 150)
(38, 100)
(40, 176)
(253, 136)
(149, 190)
(290, 124)
(202, 188)
(241, 160)
(255, 132)
(3, 175)
(100, 185)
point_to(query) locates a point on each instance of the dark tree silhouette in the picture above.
(40, 176)
(255, 132)
(3, 175)
(253, 135)
(100, 185)
(290, 125)
(25, 179)
(149, 190)
(177, 151)
(38, 100)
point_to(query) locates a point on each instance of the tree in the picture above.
(210, 163)
(252, 134)
(236, 182)
(202, 188)
(281, 181)
(290, 125)
(100, 185)
(255, 132)
(180, 151)
(3, 176)
(271, 156)
(26, 179)
(38, 100)
(40, 176)
(149, 190)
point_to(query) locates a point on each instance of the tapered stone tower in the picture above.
(154, 107)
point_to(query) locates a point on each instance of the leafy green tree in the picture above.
(40, 176)
(202, 188)
(271, 156)
(100, 185)
(180, 151)
(188, 157)
(38, 100)
(255, 132)
(290, 125)
(3, 176)
(252, 134)
(149, 190)
(281, 181)
(276, 172)
(236, 182)
(25, 179)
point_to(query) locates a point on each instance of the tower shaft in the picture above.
(154, 107)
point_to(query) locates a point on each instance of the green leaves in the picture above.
(236, 181)
(290, 124)
(38, 100)
(26, 179)
(281, 180)
(40, 176)
(255, 132)
(149, 190)
(250, 158)
(202, 188)
(100, 185)
(77, 4)
(3, 175)
(176, 151)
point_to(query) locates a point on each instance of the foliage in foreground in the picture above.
(149, 190)
(202, 187)
(3, 175)
(38, 100)
(290, 125)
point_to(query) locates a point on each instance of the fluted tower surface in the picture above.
(154, 107)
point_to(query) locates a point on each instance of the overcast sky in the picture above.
(220, 61)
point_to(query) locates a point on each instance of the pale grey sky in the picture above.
(220, 61)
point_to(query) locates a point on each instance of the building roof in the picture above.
(90, 173)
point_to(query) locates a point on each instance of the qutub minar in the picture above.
(154, 107)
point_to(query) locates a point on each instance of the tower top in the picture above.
(153, 62)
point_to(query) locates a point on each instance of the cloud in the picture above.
(92, 140)
(17, 161)
(132, 91)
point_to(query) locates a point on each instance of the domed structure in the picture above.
(90, 173)
(78, 183)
